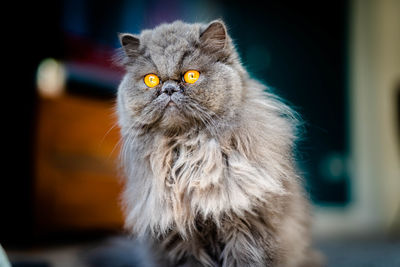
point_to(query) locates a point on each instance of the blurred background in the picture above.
(336, 62)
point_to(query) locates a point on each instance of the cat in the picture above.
(208, 154)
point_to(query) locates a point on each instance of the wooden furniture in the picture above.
(77, 184)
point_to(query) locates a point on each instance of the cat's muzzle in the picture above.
(174, 92)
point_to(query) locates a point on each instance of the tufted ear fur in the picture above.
(130, 43)
(214, 37)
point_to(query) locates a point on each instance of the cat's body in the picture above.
(210, 169)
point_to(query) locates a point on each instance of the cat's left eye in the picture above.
(151, 80)
(191, 76)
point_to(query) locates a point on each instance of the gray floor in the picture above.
(361, 253)
(118, 252)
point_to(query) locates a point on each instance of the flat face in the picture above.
(174, 81)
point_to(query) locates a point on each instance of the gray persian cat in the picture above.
(207, 153)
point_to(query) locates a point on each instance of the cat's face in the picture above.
(179, 76)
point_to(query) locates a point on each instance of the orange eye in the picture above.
(151, 80)
(191, 76)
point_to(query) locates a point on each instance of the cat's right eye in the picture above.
(151, 80)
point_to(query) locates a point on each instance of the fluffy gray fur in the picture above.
(211, 178)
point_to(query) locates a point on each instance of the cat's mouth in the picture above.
(172, 117)
(171, 103)
(171, 108)
(178, 113)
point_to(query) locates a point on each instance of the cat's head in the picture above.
(179, 77)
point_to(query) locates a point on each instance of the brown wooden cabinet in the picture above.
(77, 183)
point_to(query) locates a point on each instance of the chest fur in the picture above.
(189, 174)
(200, 177)
(179, 181)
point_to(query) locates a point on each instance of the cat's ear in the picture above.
(130, 43)
(214, 37)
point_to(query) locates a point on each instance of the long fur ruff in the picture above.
(234, 183)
